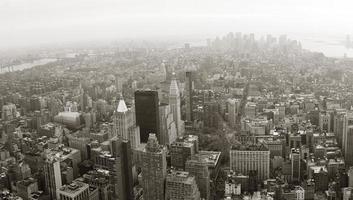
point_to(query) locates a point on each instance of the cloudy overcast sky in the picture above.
(37, 22)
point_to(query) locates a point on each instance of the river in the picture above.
(28, 65)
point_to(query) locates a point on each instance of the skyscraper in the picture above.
(124, 123)
(147, 113)
(232, 107)
(347, 138)
(182, 149)
(121, 150)
(52, 176)
(154, 169)
(174, 102)
(167, 125)
(348, 151)
(295, 160)
(189, 94)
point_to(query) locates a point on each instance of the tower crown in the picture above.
(121, 105)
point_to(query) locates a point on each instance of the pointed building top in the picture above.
(121, 106)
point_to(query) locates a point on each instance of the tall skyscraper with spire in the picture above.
(174, 102)
(124, 124)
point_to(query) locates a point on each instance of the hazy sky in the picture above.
(37, 22)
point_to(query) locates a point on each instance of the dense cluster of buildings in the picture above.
(240, 118)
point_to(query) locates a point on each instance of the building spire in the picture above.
(121, 105)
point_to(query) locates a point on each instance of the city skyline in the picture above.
(42, 23)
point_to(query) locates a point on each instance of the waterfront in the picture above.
(28, 65)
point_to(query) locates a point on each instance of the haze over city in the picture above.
(176, 100)
(39, 22)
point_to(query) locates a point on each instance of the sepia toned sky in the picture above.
(39, 22)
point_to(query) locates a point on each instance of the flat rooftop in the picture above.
(73, 188)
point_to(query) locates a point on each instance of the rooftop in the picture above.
(74, 188)
(209, 157)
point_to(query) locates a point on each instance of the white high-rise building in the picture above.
(52, 175)
(174, 102)
(124, 124)
(251, 158)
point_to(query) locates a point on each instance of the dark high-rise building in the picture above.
(147, 113)
(121, 150)
(189, 94)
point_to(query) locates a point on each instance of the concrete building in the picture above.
(197, 166)
(182, 149)
(250, 110)
(174, 102)
(181, 185)
(348, 144)
(79, 143)
(99, 179)
(52, 174)
(248, 158)
(154, 169)
(74, 191)
(26, 187)
(233, 109)
(295, 161)
(325, 122)
(167, 125)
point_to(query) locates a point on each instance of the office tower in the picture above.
(338, 125)
(295, 160)
(324, 121)
(348, 121)
(174, 102)
(188, 95)
(181, 185)
(167, 127)
(182, 149)
(121, 150)
(52, 174)
(74, 191)
(123, 120)
(198, 167)
(80, 143)
(251, 158)
(154, 169)
(147, 113)
(348, 151)
(233, 109)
